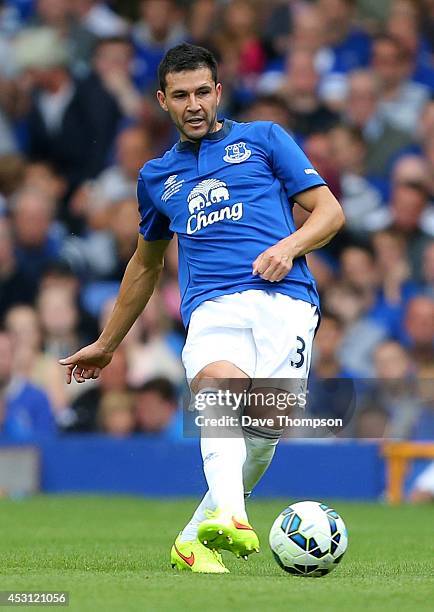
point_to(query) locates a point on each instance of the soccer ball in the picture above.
(308, 539)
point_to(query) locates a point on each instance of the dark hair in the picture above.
(160, 385)
(270, 99)
(353, 131)
(390, 39)
(186, 57)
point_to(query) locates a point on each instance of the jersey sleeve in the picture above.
(290, 164)
(153, 224)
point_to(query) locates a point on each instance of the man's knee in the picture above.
(221, 375)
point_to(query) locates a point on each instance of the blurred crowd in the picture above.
(352, 82)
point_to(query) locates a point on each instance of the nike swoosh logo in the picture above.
(241, 525)
(189, 560)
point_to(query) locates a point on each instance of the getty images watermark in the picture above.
(228, 409)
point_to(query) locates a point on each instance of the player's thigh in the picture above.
(212, 339)
(284, 340)
(283, 337)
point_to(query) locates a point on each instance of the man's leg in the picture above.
(223, 449)
(189, 532)
(223, 457)
(260, 448)
(224, 453)
(259, 453)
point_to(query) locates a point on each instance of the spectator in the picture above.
(396, 388)
(61, 275)
(419, 327)
(201, 18)
(30, 362)
(25, 410)
(323, 269)
(118, 182)
(410, 168)
(239, 37)
(349, 45)
(153, 354)
(113, 380)
(270, 107)
(41, 176)
(99, 19)
(404, 22)
(318, 148)
(405, 215)
(116, 414)
(402, 100)
(59, 15)
(371, 422)
(309, 33)
(358, 270)
(300, 89)
(71, 124)
(397, 287)
(112, 63)
(160, 27)
(37, 242)
(155, 407)
(104, 254)
(361, 334)
(16, 286)
(326, 360)
(362, 111)
(59, 320)
(359, 196)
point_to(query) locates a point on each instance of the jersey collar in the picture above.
(187, 145)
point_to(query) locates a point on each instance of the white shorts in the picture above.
(264, 333)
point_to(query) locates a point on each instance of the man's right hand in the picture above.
(86, 363)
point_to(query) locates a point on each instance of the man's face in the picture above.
(191, 99)
(362, 100)
(388, 63)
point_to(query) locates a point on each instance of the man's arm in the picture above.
(325, 220)
(137, 286)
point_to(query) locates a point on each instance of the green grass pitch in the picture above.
(112, 554)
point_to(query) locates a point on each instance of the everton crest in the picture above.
(237, 153)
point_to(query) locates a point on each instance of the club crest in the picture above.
(237, 153)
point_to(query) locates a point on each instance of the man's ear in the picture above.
(162, 100)
(218, 88)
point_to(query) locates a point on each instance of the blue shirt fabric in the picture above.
(28, 412)
(228, 198)
(353, 52)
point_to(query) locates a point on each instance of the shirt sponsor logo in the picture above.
(171, 187)
(210, 192)
(237, 153)
(310, 171)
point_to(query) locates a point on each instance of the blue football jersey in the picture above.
(228, 199)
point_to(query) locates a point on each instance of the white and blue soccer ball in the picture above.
(308, 539)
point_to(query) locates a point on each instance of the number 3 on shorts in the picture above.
(300, 352)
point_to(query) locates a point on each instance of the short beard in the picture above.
(211, 126)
